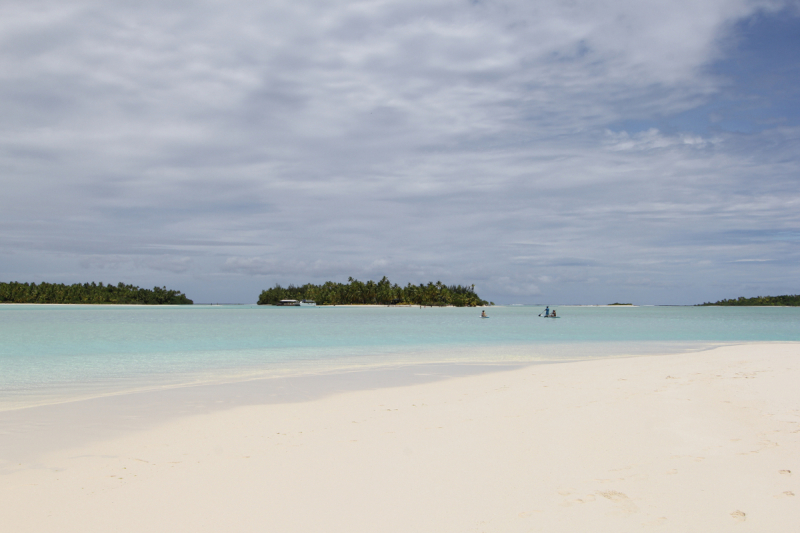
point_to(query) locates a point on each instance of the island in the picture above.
(382, 292)
(88, 293)
(787, 300)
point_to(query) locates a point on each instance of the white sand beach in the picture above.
(698, 442)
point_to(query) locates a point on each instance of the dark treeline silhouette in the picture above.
(371, 292)
(787, 300)
(88, 293)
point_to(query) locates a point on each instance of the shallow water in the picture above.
(52, 353)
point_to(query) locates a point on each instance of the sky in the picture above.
(583, 152)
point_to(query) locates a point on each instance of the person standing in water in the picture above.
(547, 311)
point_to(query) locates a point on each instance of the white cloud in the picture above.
(653, 139)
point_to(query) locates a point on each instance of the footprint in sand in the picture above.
(623, 502)
(785, 472)
(613, 495)
(739, 516)
(586, 499)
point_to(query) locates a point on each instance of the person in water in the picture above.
(547, 311)
(483, 314)
(553, 314)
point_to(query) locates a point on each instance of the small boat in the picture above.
(308, 303)
(292, 303)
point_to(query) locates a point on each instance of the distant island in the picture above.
(376, 293)
(785, 300)
(88, 293)
(617, 303)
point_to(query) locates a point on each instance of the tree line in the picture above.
(88, 293)
(792, 300)
(382, 292)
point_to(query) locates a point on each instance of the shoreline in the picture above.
(485, 355)
(24, 431)
(697, 442)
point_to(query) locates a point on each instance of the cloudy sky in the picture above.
(549, 151)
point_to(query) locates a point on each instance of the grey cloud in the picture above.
(285, 267)
(172, 264)
(264, 142)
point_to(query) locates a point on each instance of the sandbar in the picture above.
(693, 442)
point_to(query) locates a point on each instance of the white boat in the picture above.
(308, 303)
(289, 302)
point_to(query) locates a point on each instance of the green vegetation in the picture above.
(88, 293)
(786, 300)
(382, 293)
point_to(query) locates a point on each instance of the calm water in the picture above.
(50, 353)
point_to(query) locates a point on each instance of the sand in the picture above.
(705, 442)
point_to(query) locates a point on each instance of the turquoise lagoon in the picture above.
(55, 353)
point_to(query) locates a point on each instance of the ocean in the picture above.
(55, 353)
